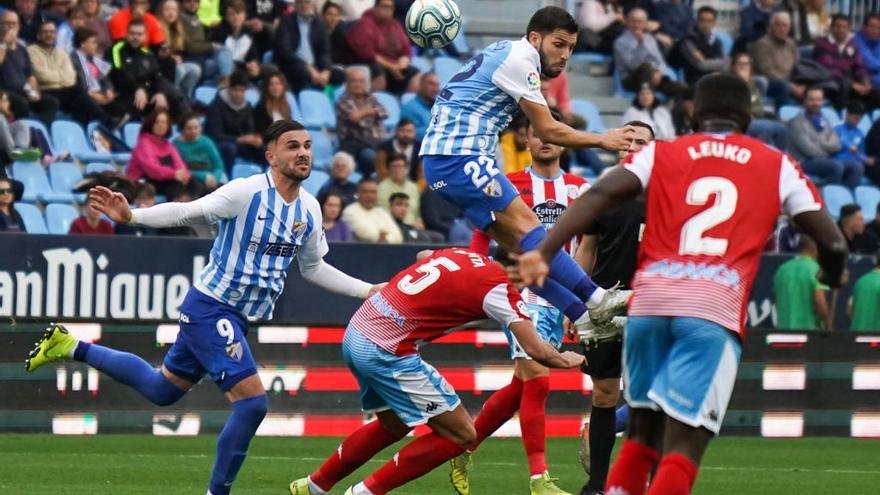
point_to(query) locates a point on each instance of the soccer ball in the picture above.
(433, 23)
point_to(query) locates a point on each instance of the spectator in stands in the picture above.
(754, 20)
(438, 214)
(95, 20)
(66, 29)
(264, 19)
(639, 59)
(800, 298)
(700, 50)
(10, 219)
(15, 136)
(229, 121)
(378, 39)
(273, 104)
(398, 182)
(301, 49)
(676, 19)
(868, 42)
(400, 210)
(334, 229)
(340, 184)
(138, 78)
(367, 221)
(144, 197)
(840, 54)
(56, 77)
(187, 74)
(360, 120)
(403, 142)
(331, 16)
(852, 139)
(764, 125)
(199, 153)
(601, 22)
(92, 76)
(813, 21)
(215, 59)
(137, 10)
(852, 224)
(30, 19)
(155, 159)
(513, 143)
(862, 308)
(683, 114)
(813, 143)
(17, 76)
(91, 221)
(353, 10)
(418, 109)
(774, 57)
(646, 108)
(238, 38)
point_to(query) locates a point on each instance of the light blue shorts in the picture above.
(407, 385)
(548, 323)
(685, 367)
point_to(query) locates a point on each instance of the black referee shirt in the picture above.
(618, 233)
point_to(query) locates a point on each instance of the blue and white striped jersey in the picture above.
(482, 98)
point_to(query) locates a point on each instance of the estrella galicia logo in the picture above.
(549, 211)
(283, 249)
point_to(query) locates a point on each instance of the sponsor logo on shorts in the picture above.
(183, 318)
(432, 406)
(235, 351)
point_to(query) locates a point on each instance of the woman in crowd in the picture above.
(10, 220)
(186, 74)
(601, 22)
(762, 127)
(199, 153)
(648, 109)
(155, 159)
(335, 230)
(273, 104)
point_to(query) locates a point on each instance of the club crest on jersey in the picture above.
(299, 227)
(572, 191)
(493, 189)
(533, 81)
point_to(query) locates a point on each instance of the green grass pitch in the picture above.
(141, 465)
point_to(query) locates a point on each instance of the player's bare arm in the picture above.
(552, 131)
(831, 244)
(616, 186)
(541, 351)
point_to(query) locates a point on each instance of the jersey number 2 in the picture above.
(693, 242)
(430, 273)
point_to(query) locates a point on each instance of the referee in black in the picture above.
(611, 247)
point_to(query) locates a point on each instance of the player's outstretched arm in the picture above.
(332, 279)
(832, 246)
(552, 131)
(542, 352)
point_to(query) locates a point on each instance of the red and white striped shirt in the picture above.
(438, 295)
(712, 202)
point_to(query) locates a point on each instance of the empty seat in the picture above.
(788, 112)
(832, 115)
(836, 196)
(322, 150)
(618, 86)
(36, 184)
(406, 98)
(64, 177)
(130, 133)
(99, 168)
(294, 107)
(445, 68)
(725, 39)
(205, 94)
(245, 170)
(588, 110)
(422, 64)
(59, 217)
(252, 95)
(32, 218)
(868, 197)
(69, 136)
(315, 181)
(392, 108)
(316, 110)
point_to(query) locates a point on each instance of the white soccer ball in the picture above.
(433, 23)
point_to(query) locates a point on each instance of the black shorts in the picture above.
(603, 361)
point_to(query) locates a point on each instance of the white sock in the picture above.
(315, 489)
(596, 297)
(536, 476)
(360, 489)
(72, 351)
(583, 319)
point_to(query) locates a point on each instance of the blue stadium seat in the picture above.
(832, 115)
(392, 107)
(588, 110)
(252, 95)
(338, 92)
(355, 177)
(69, 136)
(118, 157)
(618, 86)
(726, 41)
(446, 67)
(59, 217)
(315, 181)
(294, 107)
(406, 98)
(836, 196)
(460, 41)
(98, 168)
(36, 184)
(316, 110)
(868, 197)
(242, 170)
(590, 57)
(267, 57)
(865, 125)
(32, 218)
(64, 177)
(422, 64)
(322, 150)
(788, 112)
(130, 133)
(36, 124)
(205, 94)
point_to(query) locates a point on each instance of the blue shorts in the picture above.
(685, 367)
(410, 387)
(548, 323)
(472, 183)
(211, 340)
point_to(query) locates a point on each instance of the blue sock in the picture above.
(131, 370)
(560, 297)
(621, 418)
(232, 444)
(563, 268)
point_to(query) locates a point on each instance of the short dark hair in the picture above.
(397, 157)
(235, 5)
(145, 189)
(855, 107)
(279, 127)
(723, 97)
(48, 21)
(330, 5)
(82, 35)
(839, 17)
(238, 78)
(135, 22)
(810, 89)
(398, 195)
(549, 19)
(639, 123)
(705, 9)
(366, 180)
(873, 16)
(404, 121)
(181, 123)
(849, 210)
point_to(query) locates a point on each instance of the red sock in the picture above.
(629, 474)
(532, 415)
(356, 449)
(416, 459)
(675, 476)
(498, 409)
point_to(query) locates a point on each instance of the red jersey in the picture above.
(440, 294)
(548, 198)
(712, 202)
